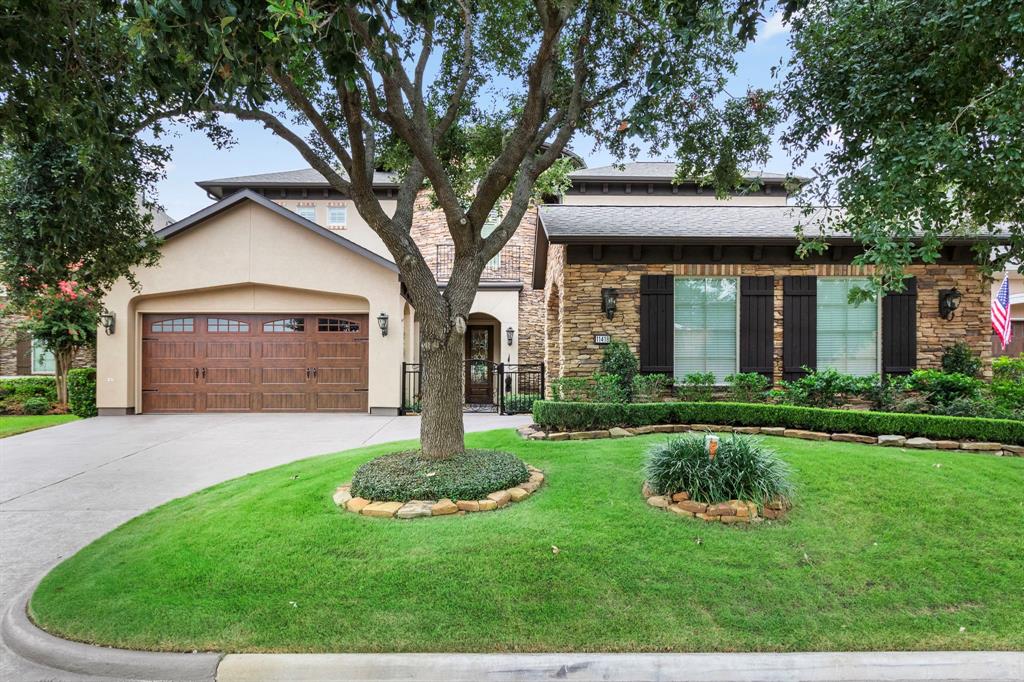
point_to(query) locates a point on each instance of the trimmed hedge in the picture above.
(566, 416)
(82, 391)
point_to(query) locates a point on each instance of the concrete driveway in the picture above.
(62, 487)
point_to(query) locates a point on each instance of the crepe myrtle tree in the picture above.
(914, 112)
(474, 101)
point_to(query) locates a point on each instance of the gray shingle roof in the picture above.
(570, 223)
(306, 177)
(651, 171)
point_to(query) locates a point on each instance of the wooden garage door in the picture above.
(254, 363)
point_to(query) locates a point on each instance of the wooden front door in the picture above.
(479, 367)
(255, 363)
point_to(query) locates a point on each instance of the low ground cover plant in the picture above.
(14, 392)
(405, 476)
(742, 469)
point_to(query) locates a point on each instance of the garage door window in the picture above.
(180, 324)
(220, 324)
(288, 324)
(336, 324)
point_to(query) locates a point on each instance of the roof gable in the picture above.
(239, 197)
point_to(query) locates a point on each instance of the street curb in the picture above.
(873, 666)
(33, 644)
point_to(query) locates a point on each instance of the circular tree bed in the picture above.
(407, 485)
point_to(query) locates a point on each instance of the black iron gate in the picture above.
(512, 387)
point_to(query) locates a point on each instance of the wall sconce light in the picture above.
(382, 322)
(509, 333)
(107, 321)
(949, 301)
(609, 302)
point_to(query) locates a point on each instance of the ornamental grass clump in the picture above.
(742, 469)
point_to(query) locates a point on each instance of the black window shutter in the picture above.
(799, 325)
(899, 330)
(757, 324)
(656, 327)
(23, 353)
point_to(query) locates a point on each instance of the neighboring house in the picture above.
(277, 296)
(21, 355)
(1016, 346)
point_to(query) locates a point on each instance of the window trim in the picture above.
(736, 305)
(878, 320)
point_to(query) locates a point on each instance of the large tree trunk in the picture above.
(441, 429)
(62, 360)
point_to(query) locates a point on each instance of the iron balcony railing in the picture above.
(507, 266)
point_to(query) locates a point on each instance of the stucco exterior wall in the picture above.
(250, 260)
(356, 229)
(577, 288)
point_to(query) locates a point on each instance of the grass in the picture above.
(886, 549)
(12, 425)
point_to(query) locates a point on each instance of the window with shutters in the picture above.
(847, 334)
(705, 321)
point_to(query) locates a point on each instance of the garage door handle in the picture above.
(197, 372)
(204, 372)
(314, 371)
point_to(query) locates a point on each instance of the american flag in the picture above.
(1001, 313)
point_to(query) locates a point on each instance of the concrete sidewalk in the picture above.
(807, 667)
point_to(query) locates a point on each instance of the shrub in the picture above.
(958, 359)
(1008, 369)
(743, 469)
(405, 476)
(940, 388)
(618, 361)
(886, 394)
(15, 391)
(82, 391)
(518, 403)
(650, 388)
(36, 405)
(748, 387)
(1008, 383)
(563, 416)
(825, 388)
(597, 388)
(698, 387)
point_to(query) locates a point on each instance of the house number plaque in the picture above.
(602, 339)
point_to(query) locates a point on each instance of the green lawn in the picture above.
(886, 549)
(13, 425)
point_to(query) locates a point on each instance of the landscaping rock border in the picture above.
(731, 512)
(424, 508)
(996, 449)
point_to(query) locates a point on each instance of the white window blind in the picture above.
(43, 361)
(847, 334)
(336, 216)
(307, 212)
(489, 226)
(705, 326)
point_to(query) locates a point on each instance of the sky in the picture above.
(257, 150)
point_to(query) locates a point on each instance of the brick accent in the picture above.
(430, 229)
(577, 287)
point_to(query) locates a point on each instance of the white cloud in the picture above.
(772, 27)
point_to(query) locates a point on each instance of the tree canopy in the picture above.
(918, 110)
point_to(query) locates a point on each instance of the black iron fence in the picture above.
(506, 388)
(507, 266)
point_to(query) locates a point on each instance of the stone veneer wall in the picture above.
(580, 294)
(429, 229)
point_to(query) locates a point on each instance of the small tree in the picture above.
(64, 319)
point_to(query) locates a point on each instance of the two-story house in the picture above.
(279, 297)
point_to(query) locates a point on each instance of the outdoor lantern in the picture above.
(949, 301)
(382, 322)
(609, 301)
(107, 321)
(509, 333)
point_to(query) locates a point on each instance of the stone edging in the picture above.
(997, 449)
(733, 511)
(419, 508)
